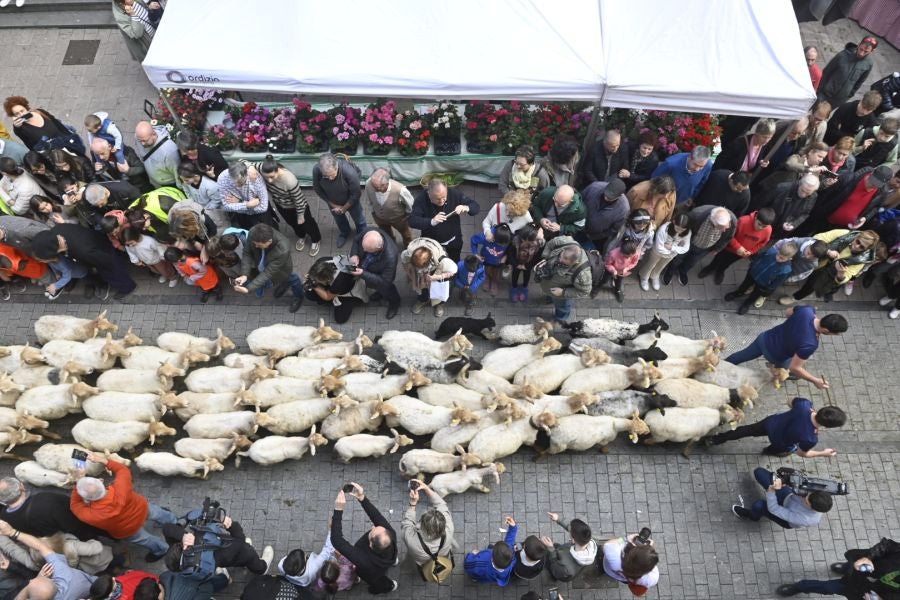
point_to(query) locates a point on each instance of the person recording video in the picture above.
(632, 560)
(783, 504)
(332, 280)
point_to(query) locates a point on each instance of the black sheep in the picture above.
(469, 326)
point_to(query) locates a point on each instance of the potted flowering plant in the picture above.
(378, 128)
(310, 128)
(253, 127)
(342, 129)
(699, 130)
(190, 112)
(514, 122)
(220, 138)
(680, 132)
(413, 133)
(447, 127)
(281, 135)
(211, 99)
(482, 130)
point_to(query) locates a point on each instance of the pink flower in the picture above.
(406, 134)
(339, 119)
(388, 139)
(334, 131)
(493, 137)
(373, 137)
(309, 139)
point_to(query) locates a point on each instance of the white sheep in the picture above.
(360, 417)
(225, 379)
(732, 376)
(502, 440)
(277, 390)
(151, 357)
(511, 335)
(420, 418)
(414, 462)
(12, 437)
(582, 432)
(450, 395)
(300, 415)
(51, 402)
(677, 346)
(30, 377)
(99, 354)
(10, 418)
(548, 373)
(138, 381)
(688, 424)
(237, 360)
(613, 330)
(218, 448)
(58, 457)
(400, 345)
(606, 378)
(9, 390)
(458, 482)
(109, 436)
(312, 368)
(482, 381)
(679, 368)
(448, 438)
(275, 449)
(505, 362)
(170, 465)
(337, 349)
(364, 445)
(16, 357)
(64, 327)
(125, 406)
(33, 473)
(690, 393)
(364, 387)
(562, 406)
(223, 425)
(195, 403)
(175, 341)
(280, 340)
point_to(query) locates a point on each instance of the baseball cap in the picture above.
(614, 189)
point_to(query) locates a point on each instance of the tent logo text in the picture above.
(179, 77)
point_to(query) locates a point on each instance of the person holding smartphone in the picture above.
(632, 560)
(375, 551)
(432, 534)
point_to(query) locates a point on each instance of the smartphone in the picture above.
(348, 488)
(643, 537)
(413, 484)
(553, 594)
(27, 116)
(78, 458)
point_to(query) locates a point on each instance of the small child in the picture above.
(524, 253)
(195, 273)
(566, 561)
(620, 262)
(530, 558)
(494, 565)
(493, 254)
(225, 251)
(469, 277)
(99, 125)
(145, 251)
(336, 575)
(65, 270)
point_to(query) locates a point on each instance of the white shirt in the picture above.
(147, 251)
(20, 191)
(612, 564)
(405, 195)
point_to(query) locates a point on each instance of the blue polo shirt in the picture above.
(793, 429)
(796, 336)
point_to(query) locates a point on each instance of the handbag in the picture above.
(438, 568)
(439, 290)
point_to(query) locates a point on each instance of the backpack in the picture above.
(198, 562)
(438, 568)
(594, 262)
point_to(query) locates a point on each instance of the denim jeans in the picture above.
(343, 224)
(143, 538)
(760, 508)
(756, 349)
(562, 308)
(828, 587)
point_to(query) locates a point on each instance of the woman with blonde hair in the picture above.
(513, 209)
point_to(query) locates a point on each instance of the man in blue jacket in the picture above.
(690, 170)
(495, 564)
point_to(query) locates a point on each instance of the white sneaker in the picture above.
(645, 284)
(313, 249)
(224, 571)
(4, 3)
(848, 288)
(654, 283)
(249, 541)
(162, 279)
(300, 245)
(173, 283)
(895, 312)
(787, 301)
(759, 302)
(267, 555)
(20, 3)
(886, 301)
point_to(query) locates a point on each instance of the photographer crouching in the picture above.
(332, 280)
(209, 542)
(632, 560)
(788, 506)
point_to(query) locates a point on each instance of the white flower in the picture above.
(444, 105)
(446, 125)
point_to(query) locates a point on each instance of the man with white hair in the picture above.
(336, 182)
(56, 580)
(158, 153)
(374, 255)
(792, 202)
(41, 514)
(712, 227)
(690, 170)
(390, 202)
(107, 167)
(119, 509)
(244, 194)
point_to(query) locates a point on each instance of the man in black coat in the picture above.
(41, 514)
(606, 159)
(373, 553)
(728, 189)
(89, 248)
(208, 160)
(375, 256)
(437, 211)
(89, 204)
(792, 202)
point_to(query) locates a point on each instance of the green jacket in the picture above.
(559, 275)
(571, 220)
(278, 266)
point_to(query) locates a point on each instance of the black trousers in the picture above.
(722, 261)
(309, 228)
(757, 429)
(343, 312)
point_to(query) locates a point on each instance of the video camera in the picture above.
(212, 512)
(803, 485)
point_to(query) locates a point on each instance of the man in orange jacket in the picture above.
(118, 509)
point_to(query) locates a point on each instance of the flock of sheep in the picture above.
(612, 377)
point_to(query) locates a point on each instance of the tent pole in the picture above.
(775, 148)
(591, 132)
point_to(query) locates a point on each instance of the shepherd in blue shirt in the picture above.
(494, 565)
(789, 345)
(794, 431)
(690, 170)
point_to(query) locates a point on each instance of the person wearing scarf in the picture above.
(523, 173)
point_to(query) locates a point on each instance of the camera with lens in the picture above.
(803, 484)
(211, 512)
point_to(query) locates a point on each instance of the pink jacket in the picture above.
(621, 265)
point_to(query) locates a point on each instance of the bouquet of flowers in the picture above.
(413, 133)
(190, 112)
(482, 129)
(447, 127)
(343, 129)
(220, 137)
(253, 127)
(378, 128)
(281, 135)
(310, 128)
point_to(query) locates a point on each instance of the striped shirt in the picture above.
(285, 191)
(140, 14)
